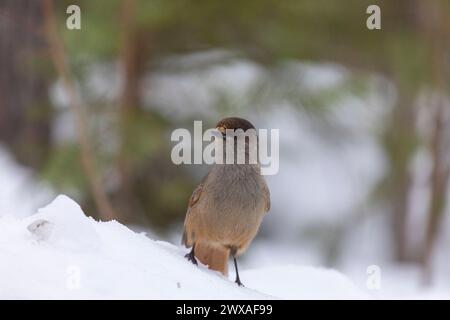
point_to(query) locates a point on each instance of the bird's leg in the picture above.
(238, 280)
(191, 255)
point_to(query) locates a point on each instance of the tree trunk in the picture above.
(439, 182)
(434, 27)
(400, 143)
(59, 57)
(25, 113)
(129, 105)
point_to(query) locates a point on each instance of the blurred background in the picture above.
(364, 119)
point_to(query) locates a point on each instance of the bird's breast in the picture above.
(236, 190)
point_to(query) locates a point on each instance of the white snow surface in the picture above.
(60, 253)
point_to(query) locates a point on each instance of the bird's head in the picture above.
(241, 135)
(234, 126)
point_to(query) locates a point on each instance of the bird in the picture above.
(226, 209)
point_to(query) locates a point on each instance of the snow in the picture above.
(295, 282)
(60, 253)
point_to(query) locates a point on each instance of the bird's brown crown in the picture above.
(234, 123)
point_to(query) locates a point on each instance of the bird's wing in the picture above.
(195, 196)
(193, 200)
(266, 195)
(197, 193)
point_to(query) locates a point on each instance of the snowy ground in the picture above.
(60, 253)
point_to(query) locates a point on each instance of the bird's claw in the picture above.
(191, 258)
(239, 283)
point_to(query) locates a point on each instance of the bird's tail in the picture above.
(215, 257)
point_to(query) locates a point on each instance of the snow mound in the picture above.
(60, 253)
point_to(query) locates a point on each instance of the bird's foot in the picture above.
(239, 283)
(191, 257)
